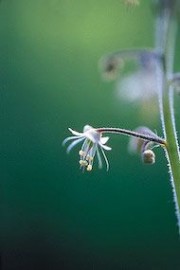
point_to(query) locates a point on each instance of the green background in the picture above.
(52, 215)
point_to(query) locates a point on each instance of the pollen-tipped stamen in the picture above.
(89, 168)
(83, 163)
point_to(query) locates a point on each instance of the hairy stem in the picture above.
(166, 28)
(147, 137)
(170, 127)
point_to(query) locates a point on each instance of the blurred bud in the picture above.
(110, 66)
(148, 157)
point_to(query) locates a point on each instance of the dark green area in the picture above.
(52, 215)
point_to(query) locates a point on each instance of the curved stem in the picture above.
(147, 137)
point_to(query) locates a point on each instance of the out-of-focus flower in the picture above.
(144, 147)
(142, 84)
(93, 143)
(111, 66)
(138, 86)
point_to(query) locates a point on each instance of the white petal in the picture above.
(73, 144)
(93, 135)
(69, 139)
(75, 132)
(104, 140)
(86, 128)
(105, 147)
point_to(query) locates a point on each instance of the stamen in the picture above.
(89, 168)
(83, 163)
(82, 153)
(89, 158)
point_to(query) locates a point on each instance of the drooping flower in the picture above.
(93, 143)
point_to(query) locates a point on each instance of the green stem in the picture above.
(169, 124)
(166, 100)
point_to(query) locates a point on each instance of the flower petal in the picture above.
(93, 135)
(86, 128)
(105, 147)
(75, 132)
(69, 139)
(104, 140)
(73, 144)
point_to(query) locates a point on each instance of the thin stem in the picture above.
(146, 137)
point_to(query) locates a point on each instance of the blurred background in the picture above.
(53, 216)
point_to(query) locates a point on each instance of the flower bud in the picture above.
(148, 157)
(110, 67)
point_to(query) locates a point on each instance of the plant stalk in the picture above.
(147, 137)
(168, 29)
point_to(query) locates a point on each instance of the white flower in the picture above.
(93, 143)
